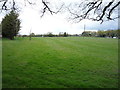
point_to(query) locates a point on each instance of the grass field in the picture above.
(60, 62)
(0, 63)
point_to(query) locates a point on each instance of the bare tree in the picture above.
(96, 10)
(46, 7)
(11, 5)
(5, 6)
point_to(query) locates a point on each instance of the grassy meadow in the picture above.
(60, 62)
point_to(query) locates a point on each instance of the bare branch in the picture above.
(29, 2)
(4, 7)
(109, 16)
(95, 10)
(13, 5)
(47, 8)
(104, 10)
(96, 7)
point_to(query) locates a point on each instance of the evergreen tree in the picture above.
(10, 25)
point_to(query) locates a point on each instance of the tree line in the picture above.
(49, 34)
(99, 33)
(102, 33)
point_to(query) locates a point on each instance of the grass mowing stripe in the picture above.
(60, 62)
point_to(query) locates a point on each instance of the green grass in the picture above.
(60, 62)
(0, 63)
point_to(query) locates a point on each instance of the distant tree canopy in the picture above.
(10, 25)
(89, 33)
(32, 34)
(100, 33)
(109, 33)
(63, 34)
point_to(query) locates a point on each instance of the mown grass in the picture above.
(60, 62)
(0, 63)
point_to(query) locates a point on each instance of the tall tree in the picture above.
(10, 25)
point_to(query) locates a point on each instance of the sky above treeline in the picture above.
(31, 21)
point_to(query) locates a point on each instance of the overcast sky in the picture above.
(31, 20)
